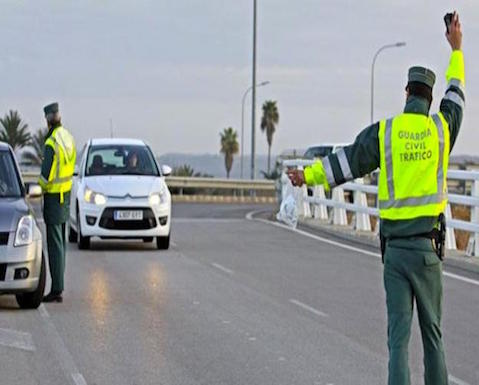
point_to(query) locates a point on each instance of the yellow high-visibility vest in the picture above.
(414, 158)
(61, 173)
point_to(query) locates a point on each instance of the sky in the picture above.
(173, 72)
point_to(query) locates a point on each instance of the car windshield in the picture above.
(117, 159)
(318, 152)
(9, 183)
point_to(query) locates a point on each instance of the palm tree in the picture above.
(14, 131)
(35, 156)
(269, 121)
(229, 147)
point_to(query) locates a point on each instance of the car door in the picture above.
(77, 179)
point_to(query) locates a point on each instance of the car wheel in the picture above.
(163, 243)
(148, 239)
(34, 299)
(83, 242)
(72, 235)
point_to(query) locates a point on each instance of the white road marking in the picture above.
(348, 247)
(308, 308)
(78, 379)
(457, 381)
(62, 353)
(461, 278)
(208, 220)
(16, 339)
(222, 268)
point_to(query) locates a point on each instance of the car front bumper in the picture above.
(13, 258)
(104, 226)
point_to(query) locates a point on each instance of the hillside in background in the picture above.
(214, 164)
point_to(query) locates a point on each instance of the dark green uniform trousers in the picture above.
(413, 273)
(56, 254)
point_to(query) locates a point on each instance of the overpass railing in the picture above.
(314, 203)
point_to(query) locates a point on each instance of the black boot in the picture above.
(53, 297)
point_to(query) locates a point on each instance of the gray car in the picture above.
(22, 265)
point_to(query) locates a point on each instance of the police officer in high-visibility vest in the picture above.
(412, 151)
(56, 181)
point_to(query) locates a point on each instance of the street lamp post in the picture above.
(395, 45)
(253, 97)
(242, 121)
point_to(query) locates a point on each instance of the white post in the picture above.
(339, 214)
(320, 211)
(450, 236)
(299, 194)
(363, 222)
(306, 204)
(475, 217)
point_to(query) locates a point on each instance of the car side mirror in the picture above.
(166, 170)
(75, 170)
(34, 190)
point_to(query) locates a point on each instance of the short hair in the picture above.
(421, 90)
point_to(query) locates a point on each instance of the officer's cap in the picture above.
(421, 75)
(51, 108)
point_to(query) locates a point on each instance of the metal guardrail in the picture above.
(219, 184)
(315, 206)
(236, 186)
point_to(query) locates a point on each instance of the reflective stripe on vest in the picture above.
(421, 194)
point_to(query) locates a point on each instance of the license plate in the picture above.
(128, 215)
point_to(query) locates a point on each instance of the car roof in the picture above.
(3, 146)
(123, 141)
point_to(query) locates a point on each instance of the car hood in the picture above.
(11, 210)
(125, 185)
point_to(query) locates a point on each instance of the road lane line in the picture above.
(308, 308)
(16, 339)
(348, 247)
(222, 268)
(61, 351)
(208, 220)
(457, 381)
(78, 379)
(461, 278)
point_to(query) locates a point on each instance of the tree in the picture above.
(229, 147)
(35, 155)
(14, 131)
(269, 120)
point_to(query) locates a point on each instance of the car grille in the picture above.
(3, 271)
(107, 221)
(4, 238)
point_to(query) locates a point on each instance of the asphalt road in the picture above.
(234, 301)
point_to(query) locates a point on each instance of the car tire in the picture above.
(148, 239)
(83, 242)
(163, 243)
(72, 235)
(34, 299)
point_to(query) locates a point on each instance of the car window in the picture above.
(120, 160)
(318, 152)
(9, 183)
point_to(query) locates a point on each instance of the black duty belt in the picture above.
(437, 235)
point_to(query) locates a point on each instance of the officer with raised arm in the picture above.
(412, 151)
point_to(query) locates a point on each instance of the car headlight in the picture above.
(158, 198)
(94, 197)
(24, 234)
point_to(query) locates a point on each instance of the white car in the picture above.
(119, 192)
